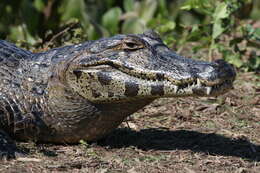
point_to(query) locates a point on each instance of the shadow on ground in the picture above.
(160, 139)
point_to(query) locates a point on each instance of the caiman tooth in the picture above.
(198, 83)
(175, 88)
(209, 89)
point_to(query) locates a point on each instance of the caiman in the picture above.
(85, 91)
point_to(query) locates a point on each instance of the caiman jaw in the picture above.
(115, 82)
(185, 87)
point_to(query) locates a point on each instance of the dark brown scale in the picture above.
(157, 90)
(95, 93)
(160, 76)
(104, 79)
(77, 73)
(131, 89)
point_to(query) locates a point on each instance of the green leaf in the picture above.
(72, 9)
(39, 5)
(254, 63)
(21, 33)
(234, 59)
(237, 62)
(217, 29)
(221, 12)
(133, 26)
(202, 6)
(252, 33)
(162, 8)
(92, 34)
(148, 9)
(196, 34)
(170, 25)
(111, 18)
(257, 33)
(129, 5)
(190, 4)
(30, 16)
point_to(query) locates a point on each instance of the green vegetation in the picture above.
(226, 29)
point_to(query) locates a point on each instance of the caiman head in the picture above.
(132, 67)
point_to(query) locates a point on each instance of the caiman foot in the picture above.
(8, 148)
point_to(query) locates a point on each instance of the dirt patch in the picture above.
(218, 134)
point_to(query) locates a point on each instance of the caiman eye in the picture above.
(131, 44)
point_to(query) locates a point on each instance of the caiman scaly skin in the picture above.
(84, 91)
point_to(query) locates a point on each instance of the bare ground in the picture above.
(190, 135)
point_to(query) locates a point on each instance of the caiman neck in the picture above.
(124, 108)
(87, 120)
(110, 116)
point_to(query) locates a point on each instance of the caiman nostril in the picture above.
(226, 69)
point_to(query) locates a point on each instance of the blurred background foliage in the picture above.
(211, 29)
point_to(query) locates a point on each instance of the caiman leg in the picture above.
(8, 148)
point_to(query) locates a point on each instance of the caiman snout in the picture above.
(226, 69)
(216, 72)
(212, 79)
(189, 77)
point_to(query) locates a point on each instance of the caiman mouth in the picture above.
(163, 83)
(184, 87)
